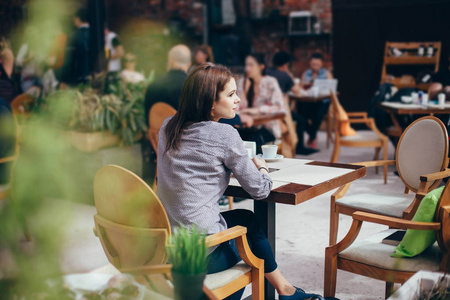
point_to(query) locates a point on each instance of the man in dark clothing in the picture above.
(77, 65)
(167, 89)
(281, 72)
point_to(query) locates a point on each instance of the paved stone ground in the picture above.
(302, 234)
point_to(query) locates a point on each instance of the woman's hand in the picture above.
(246, 120)
(261, 163)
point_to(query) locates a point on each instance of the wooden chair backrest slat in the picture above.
(158, 113)
(128, 247)
(124, 198)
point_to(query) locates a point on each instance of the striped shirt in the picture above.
(192, 180)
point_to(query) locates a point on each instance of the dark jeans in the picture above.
(313, 112)
(300, 127)
(226, 254)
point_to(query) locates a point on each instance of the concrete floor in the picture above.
(302, 234)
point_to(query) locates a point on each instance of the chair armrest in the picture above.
(357, 114)
(435, 176)
(359, 120)
(238, 233)
(147, 270)
(226, 235)
(375, 163)
(7, 159)
(395, 222)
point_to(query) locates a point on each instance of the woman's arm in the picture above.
(255, 182)
(329, 75)
(276, 99)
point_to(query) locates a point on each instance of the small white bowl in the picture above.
(406, 99)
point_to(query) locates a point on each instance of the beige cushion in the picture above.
(372, 252)
(421, 151)
(385, 204)
(217, 280)
(361, 136)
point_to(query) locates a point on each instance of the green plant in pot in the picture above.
(188, 254)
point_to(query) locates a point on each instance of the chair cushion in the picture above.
(416, 241)
(361, 136)
(373, 252)
(421, 151)
(217, 280)
(385, 204)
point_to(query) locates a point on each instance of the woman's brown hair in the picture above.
(207, 50)
(200, 90)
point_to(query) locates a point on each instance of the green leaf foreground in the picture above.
(187, 250)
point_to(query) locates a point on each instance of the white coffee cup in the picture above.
(441, 99)
(415, 97)
(314, 91)
(424, 99)
(269, 151)
(297, 80)
(251, 148)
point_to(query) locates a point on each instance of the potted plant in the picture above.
(93, 120)
(188, 254)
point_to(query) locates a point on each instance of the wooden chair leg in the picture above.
(335, 155)
(385, 157)
(330, 274)
(258, 284)
(389, 289)
(376, 156)
(334, 223)
(230, 202)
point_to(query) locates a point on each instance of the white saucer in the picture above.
(279, 156)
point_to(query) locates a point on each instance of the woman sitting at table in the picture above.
(198, 154)
(314, 112)
(259, 94)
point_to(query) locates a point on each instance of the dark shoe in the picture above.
(306, 151)
(301, 295)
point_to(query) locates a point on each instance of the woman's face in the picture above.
(200, 57)
(252, 67)
(225, 107)
(316, 64)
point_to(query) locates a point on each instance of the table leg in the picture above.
(265, 212)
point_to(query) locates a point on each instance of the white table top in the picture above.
(302, 172)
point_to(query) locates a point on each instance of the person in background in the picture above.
(129, 73)
(115, 51)
(167, 89)
(314, 112)
(440, 83)
(280, 70)
(77, 67)
(197, 156)
(29, 62)
(8, 87)
(202, 55)
(259, 94)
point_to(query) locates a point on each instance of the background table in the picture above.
(396, 108)
(307, 98)
(264, 118)
(295, 181)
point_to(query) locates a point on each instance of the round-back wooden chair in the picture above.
(133, 228)
(422, 149)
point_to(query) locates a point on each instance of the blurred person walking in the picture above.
(8, 86)
(280, 70)
(77, 66)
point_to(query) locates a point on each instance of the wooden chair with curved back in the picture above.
(21, 106)
(373, 138)
(158, 113)
(422, 149)
(133, 228)
(370, 257)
